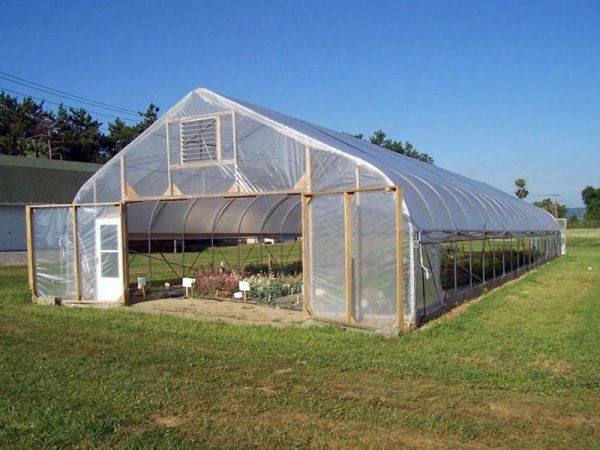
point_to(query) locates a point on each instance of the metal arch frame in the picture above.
(216, 217)
(240, 227)
(187, 215)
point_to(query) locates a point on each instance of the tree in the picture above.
(27, 129)
(591, 199)
(78, 136)
(553, 207)
(120, 134)
(521, 191)
(380, 138)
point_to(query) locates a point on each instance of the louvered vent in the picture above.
(199, 141)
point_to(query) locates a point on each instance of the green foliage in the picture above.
(25, 127)
(556, 209)
(120, 134)
(265, 288)
(380, 138)
(521, 191)
(28, 129)
(591, 199)
(287, 268)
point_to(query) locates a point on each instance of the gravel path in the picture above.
(236, 312)
(13, 258)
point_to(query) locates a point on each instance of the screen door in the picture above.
(109, 259)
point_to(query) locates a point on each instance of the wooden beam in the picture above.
(130, 193)
(352, 191)
(77, 204)
(123, 187)
(348, 254)
(308, 169)
(306, 255)
(29, 230)
(201, 116)
(169, 176)
(76, 252)
(219, 149)
(235, 152)
(399, 259)
(124, 253)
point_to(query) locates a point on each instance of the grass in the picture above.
(519, 368)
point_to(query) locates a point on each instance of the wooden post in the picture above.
(305, 253)
(348, 254)
(169, 176)
(123, 187)
(125, 252)
(235, 150)
(30, 267)
(76, 252)
(399, 259)
(308, 169)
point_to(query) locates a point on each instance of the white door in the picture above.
(109, 267)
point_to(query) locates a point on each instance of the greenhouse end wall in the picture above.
(77, 253)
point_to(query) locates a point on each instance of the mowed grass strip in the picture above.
(519, 368)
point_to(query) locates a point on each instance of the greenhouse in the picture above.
(385, 241)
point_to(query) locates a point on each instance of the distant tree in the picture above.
(521, 191)
(25, 128)
(28, 129)
(556, 209)
(591, 200)
(573, 218)
(78, 135)
(120, 134)
(380, 138)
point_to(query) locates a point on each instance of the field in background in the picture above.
(519, 368)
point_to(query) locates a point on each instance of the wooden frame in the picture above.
(400, 258)
(124, 253)
(348, 261)
(348, 255)
(30, 257)
(76, 252)
(306, 255)
(29, 211)
(306, 237)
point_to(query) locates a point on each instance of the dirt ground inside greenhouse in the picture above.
(222, 311)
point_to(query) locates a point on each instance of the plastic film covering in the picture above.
(264, 215)
(408, 256)
(373, 231)
(428, 280)
(88, 253)
(268, 149)
(327, 257)
(53, 255)
(443, 205)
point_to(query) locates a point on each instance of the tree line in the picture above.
(380, 138)
(27, 128)
(590, 196)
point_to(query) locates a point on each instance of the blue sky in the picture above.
(494, 90)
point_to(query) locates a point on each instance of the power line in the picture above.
(70, 106)
(64, 94)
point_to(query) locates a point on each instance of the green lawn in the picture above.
(520, 368)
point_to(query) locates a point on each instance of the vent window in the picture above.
(199, 141)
